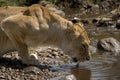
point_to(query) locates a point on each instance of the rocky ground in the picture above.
(11, 67)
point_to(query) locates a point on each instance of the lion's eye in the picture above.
(84, 46)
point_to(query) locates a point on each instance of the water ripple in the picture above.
(105, 68)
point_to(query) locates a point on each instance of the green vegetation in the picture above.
(12, 2)
(17, 2)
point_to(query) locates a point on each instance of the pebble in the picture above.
(3, 69)
(2, 77)
(32, 70)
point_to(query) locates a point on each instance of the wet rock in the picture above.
(95, 20)
(109, 44)
(60, 12)
(70, 77)
(118, 24)
(84, 21)
(104, 22)
(104, 5)
(95, 9)
(115, 13)
(32, 70)
(93, 49)
(65, 77)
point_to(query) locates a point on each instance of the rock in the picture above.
(70, 77)
(9, 77)
(104, 5)
(2, 77)
(106, 19)
(65, 77)
(109, 44)
(95, 20)
(85, 21)
(93, 49)
(118, 24)
(3, 69)
(52, 7)
(95, 9)
(105, 22)
(32, 70)
(60, 12)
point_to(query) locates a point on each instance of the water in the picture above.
(105, 66)
(101, 68)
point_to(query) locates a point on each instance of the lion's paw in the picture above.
(33, 57)
(32, 60)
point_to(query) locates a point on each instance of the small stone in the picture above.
(2, 77)
(9, 69)
(9, 77)
(118, 24)
(32, 70)
(3, 69)
(70, 77)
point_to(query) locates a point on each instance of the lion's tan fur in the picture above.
(37, 26)
(10, 10)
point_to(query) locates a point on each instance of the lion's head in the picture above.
(78, 42)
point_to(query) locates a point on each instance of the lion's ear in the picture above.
(75, 20)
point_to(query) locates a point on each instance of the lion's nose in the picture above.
(74, 59)
(88, 58)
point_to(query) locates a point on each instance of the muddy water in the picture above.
(101, 68)
(81, 74)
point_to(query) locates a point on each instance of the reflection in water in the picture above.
(81, 74)
(106, 69)
(99, 68)
(103, 68)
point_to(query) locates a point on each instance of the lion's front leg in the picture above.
(23, 52)
(16, 35)
(26, 56)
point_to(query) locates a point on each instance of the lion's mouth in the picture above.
(87, 58)
(77, 60)
(74, 59)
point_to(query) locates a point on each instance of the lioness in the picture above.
(37, 26)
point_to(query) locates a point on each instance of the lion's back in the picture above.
(10, 10)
